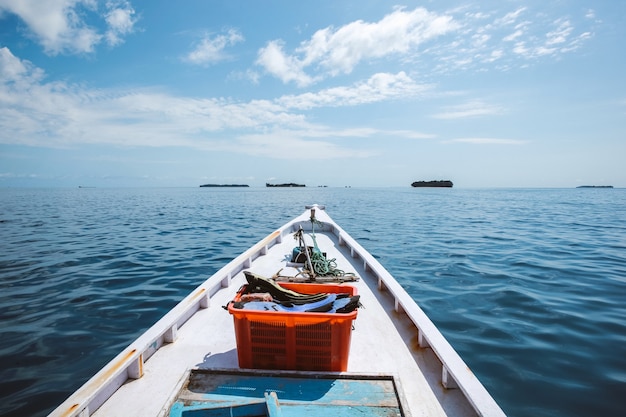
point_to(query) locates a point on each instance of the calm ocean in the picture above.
(529, 285)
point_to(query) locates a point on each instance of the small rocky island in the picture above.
(290, 184)
(224, 185)
(437, 183)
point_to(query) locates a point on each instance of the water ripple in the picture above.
(528, 285)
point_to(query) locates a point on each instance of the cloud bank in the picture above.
(37, 112)
(456, 40)
(56, 114)
(339, 51)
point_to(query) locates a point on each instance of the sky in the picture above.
(156, 93)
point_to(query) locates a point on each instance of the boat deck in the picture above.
(383, 342)
(390, 338)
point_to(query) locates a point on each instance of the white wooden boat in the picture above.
(398, 363)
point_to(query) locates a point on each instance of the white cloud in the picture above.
(510, 18)
(274, 60)
(495, 55)
(338, 51)
(378, 87)
(56, 114)
(487, 141)
(559, 40)
(560, 34)
(480, 40)
(12, 69)
(282, 144)
(341, 50)
(60, 25)
(513, 36)
(503, 40)
(211, 49)
(120, 20)
(471, 109)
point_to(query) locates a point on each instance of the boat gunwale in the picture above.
(455, 373)
(129, 363)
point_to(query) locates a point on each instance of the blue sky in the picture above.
(501, 93)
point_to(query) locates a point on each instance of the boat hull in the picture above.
(391, 336)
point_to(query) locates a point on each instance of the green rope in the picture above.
(321, 265)
(325, 267)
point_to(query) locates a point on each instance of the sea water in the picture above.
(528, 285)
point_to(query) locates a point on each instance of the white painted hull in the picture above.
(391, 336)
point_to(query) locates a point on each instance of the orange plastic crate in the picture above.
(295, 341)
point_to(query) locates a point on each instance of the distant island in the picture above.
(224, 185)
(440, 183)
(595, 186)
(290, 184)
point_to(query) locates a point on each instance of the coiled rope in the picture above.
(319, 264)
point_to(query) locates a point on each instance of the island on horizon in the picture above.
(595, 186)
(438, 183)
(224, 185)
(290, 184)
